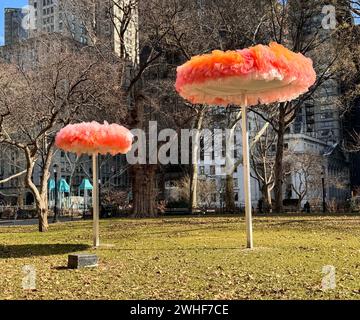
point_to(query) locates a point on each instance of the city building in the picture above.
(14, 31)
(213, 165)
(324, 160)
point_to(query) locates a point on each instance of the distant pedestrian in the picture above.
(307, 207)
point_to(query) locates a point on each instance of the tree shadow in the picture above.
(35, 250)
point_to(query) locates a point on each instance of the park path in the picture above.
(30, 222)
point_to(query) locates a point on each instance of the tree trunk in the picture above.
(266, 195)
(193, 186)
(42, 213)
(20, 199)
(268, 198)
(278, 189)
(144, 191)
(229, 194)
(299, 204)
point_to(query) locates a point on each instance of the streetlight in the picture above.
(55, 170)
(323, 188)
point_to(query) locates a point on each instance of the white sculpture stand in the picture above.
(95, 201)
(247, 185)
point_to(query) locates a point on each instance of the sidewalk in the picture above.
(30, 222)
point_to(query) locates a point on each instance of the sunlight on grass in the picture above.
(187, 258)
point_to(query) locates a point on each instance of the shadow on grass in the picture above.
(35, 250)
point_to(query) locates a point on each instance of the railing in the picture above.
(5, 208)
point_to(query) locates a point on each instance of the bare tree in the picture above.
(295, 24)
(303, 170)
(39, 97)
(205, 194)
(262, 158)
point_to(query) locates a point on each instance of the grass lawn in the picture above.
(187, 258)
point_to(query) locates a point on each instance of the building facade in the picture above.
(14, 31)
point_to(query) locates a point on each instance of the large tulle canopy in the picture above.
(94, 138)
(257, 75)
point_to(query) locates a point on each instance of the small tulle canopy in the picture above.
(94, 138)
(257, 75)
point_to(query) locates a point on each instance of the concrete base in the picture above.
(82, 260)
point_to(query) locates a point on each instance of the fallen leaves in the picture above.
(187, 258)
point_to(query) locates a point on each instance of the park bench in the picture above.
(177, 211)
(203, 211)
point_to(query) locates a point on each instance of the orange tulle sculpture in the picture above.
(256, 75)
(94, 138)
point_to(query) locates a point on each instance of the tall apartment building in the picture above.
(320, 116)
(319, 127)
(14, 31)
(50, 17)
(68, 19)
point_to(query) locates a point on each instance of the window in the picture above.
(236, 183)
(202, 170)
(327, 115)
(212, 170)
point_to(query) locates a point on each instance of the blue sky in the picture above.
(8, 4)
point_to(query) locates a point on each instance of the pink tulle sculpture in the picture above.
(94, 138)
(260, 74)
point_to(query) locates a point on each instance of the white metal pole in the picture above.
(95, 201)
(247, 186)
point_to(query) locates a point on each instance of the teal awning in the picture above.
(51, 184)
(86, 185)
(63, 186)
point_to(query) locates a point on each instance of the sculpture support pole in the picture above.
(95, 201)
(246, 173)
